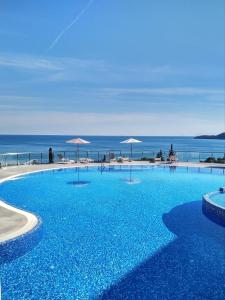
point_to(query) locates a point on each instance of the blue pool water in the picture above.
(219, 199)
(118, 234)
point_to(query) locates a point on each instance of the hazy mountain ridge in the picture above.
(220, 136)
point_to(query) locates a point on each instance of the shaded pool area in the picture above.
(189, 267)
(109, 239)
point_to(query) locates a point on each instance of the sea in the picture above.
(41, 143)
(22, 149)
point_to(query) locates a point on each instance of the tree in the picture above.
(171, 151)
(160, 155)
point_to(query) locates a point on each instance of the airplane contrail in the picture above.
(75, 20)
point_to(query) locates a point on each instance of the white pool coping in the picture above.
(14, 227)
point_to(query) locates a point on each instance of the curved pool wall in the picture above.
(18, 239)
(213, 210)
(16, 247)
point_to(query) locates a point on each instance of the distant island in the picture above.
(220, 136)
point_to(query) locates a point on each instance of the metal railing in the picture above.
(15, 159)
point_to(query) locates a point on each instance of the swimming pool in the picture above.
(219, 199)
(213, 206)
(118, 233)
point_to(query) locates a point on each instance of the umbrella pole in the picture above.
(130, 173)
(77, 153)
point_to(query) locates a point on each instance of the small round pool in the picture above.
(219, 199)
(117, 233)
(213, 206)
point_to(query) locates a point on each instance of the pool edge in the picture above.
(212, 210)
(31, 222)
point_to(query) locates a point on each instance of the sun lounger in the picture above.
(157, 159)
(86, 160)
(113, 160)
(112, 157)
(122, 159)
(64, 160)
(31, 162)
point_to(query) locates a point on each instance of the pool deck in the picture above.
(15, 222)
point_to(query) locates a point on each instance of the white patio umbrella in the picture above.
(78, 142)
(131, 141)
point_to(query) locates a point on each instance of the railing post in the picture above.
(41, 157)
(17, 159)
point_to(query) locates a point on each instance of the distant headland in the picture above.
(220, 136)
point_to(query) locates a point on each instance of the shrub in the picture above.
(160, 155)
(171, 151)
(215, 160)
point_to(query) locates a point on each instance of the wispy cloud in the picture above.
(100, 71)
(69, 82)
(167, 91)
(47, 69)
(74, 21)
(45, 63)
(69, 69)
(110, 100)
(28, 62)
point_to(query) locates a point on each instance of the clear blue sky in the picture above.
(132, 67)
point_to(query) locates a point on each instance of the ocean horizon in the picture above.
(40, 143)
